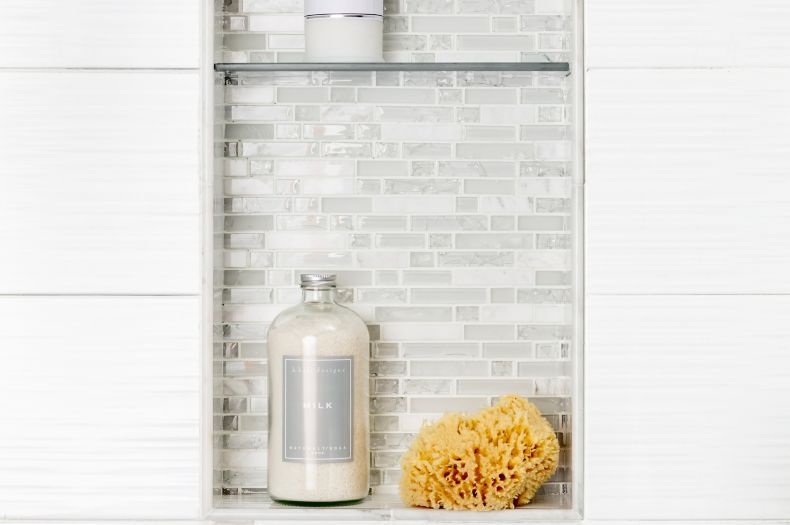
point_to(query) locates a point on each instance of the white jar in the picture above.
(344, 30)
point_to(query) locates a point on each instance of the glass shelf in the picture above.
(393, 66)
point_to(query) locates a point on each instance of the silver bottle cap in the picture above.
(318, 280)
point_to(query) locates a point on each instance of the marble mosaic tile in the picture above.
(443, 201)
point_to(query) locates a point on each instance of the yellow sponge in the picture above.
(492, 460)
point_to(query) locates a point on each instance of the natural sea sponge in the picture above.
(492, 460)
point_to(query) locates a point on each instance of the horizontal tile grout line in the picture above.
(99, 295)
(589, 68)
(689, 294)
(81, 68)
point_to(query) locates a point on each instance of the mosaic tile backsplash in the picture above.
(442, 200)
(414, 30)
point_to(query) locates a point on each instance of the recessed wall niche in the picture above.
(446, 201)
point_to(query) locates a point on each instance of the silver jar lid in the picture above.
(343, 7)
(318, 280)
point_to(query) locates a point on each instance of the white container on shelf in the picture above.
(344, 30)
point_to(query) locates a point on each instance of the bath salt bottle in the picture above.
(318, 399)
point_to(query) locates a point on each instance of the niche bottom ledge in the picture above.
(379, 507)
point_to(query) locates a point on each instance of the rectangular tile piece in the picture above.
(687, 186)
(101, 182)
(97, 33)
(691, 390)
(687, 33)
(110, 423)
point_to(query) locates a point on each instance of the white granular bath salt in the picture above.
(318, 400)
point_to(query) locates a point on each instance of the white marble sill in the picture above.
(378, 507)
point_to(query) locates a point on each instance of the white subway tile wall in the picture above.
(442, 200)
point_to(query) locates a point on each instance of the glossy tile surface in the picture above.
(687, 181)
(687, 33)
(414, 31)
(100, 34)
(101, 182)
(103, 398)
(444, 202)
(687, 403)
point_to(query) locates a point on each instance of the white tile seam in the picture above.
(689, 294)
(685, 68)
(108, 295)
(78, 69)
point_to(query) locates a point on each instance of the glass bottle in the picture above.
(318, 399)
